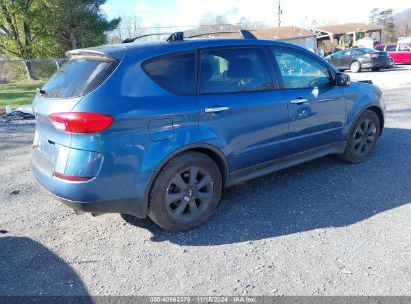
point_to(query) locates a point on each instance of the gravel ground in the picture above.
(322, 228)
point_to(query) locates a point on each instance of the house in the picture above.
(348, 35)
(290, 34)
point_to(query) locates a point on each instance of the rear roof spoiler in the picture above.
(90, 54)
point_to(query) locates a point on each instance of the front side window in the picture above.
(175, 72)
(346, 53)
(300, 71)
(233, 70)
(404, 47)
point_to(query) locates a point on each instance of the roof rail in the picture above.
(128, 40)
(179, 36)
(244, 34)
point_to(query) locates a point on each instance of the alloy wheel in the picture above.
(364, 137)
(189, 193)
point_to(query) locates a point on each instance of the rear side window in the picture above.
(391, 48)
(233, 70)
(175, 72)
(78, 77)
(300, 71)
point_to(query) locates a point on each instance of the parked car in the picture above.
(159, 129)
(400, 53)
(357, 59)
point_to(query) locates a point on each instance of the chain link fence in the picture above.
(19, 79)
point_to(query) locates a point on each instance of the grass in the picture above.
(18, 94)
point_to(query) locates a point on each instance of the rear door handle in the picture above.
(216, 109)
(299, 101)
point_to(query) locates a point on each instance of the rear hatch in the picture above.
(83, 73)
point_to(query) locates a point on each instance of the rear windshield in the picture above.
(78, 77)
(368, 51)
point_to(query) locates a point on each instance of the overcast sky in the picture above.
(295, 12)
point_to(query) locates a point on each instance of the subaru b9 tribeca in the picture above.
(159, 129)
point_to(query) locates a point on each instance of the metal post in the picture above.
(279, 13)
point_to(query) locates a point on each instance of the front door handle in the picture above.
(216, 109)
(298, 101)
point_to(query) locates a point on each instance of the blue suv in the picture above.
(159, 129)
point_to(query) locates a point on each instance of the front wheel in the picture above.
(362, 138)
(186, 192)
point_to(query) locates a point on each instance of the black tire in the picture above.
(375, 69)
(355, 67)
(186, 192)
(363, 138)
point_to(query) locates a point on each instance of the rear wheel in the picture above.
(362, 138)
(375, 69)
(186, 192)
(355, 67)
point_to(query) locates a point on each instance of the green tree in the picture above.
(23, 30)
(373, 15)
(384, 18)
(81, 23)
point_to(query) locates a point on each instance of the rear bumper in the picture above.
(377, 64)
(131, 206)
(121, 193)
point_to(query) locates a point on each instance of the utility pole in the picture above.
(279, 13)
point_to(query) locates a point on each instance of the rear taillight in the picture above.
(81, 122)
(373, 55)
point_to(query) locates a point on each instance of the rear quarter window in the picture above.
(174, 72)
(78, 77)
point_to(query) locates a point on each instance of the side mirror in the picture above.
(342, 79)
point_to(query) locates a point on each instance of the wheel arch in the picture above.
(209, 150)
(377, 110)
(380, 115)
